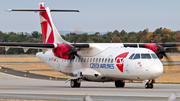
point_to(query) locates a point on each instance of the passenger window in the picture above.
(105, 60)
(91, 60)
(87, 59)
(131, 56)
(154, 56)
(102, 60)
(81, 59)
(96, 60)
(84, 59)
(137, 56)
(99, 60)
(145, 56)
(108, 60)
(111, 60)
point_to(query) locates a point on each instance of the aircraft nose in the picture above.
(156, 70)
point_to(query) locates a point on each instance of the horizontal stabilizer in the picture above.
(40, 10)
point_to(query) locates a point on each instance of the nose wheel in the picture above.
(149, 84)
(120, 83)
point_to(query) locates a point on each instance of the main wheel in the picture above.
(75, 83)
(72, 83)
(119, 83)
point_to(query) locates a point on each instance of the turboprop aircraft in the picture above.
(99, 62)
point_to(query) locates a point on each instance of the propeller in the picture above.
(72, 52)
(68, 51)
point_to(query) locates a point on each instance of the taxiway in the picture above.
(15, 87)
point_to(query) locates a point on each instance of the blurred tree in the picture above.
(35, 34)
(123, 33)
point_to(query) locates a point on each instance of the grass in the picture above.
(19, 59)
(172, 58)
(171, 73)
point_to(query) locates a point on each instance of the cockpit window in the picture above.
(154, 56)
(131, 56)
(145, 56)
(137, 56)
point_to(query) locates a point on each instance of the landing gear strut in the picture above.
(149, 84)
(75, 83)
(120, 83)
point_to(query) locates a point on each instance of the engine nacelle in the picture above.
(152, 47)
(158, 49)
(64, 51)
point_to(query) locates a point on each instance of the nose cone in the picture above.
(156, 70)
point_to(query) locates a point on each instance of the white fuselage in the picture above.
(107, 64)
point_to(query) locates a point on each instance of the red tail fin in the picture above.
(46, 25)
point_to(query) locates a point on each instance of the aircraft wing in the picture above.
(143, 45)
(44, 46)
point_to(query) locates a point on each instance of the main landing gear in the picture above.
(75, 83)
(149, 84)
(120, 83)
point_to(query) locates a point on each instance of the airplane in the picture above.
(97, 62)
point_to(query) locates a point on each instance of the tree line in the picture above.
(159, 35)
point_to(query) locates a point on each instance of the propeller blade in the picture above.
(164, 54)
(71, 57)
(78, 55)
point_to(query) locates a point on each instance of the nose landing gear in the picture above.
(149, 84)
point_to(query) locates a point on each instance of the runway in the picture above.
(14, 87)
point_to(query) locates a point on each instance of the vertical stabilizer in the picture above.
(49, 32)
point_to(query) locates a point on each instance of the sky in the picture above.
(95, 15)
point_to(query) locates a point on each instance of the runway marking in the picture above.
(82, 94)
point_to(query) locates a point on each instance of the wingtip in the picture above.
(8, 10)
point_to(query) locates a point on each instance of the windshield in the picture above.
(137, 56)
(131, 56)
(145, 56)
(154, 56)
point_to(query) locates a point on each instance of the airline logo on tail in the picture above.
(120, 61)
(46, 25)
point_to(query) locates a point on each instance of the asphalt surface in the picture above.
(28, 75)
(16, 87)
